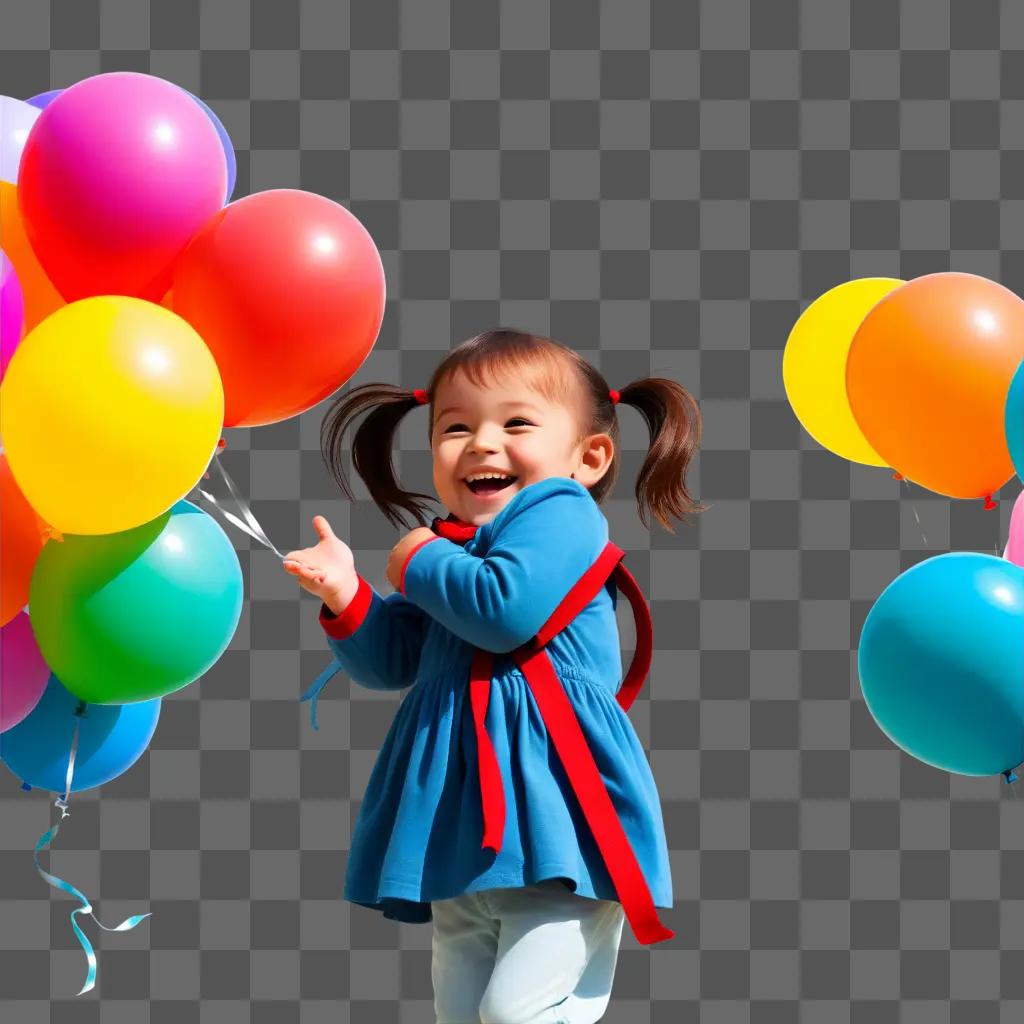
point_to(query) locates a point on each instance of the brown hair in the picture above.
(671, 414)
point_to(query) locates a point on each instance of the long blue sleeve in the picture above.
(535, 549)
(382, 652)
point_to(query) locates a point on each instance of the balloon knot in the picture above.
(989, 503)
(897, 476)
(1010, 775)
(222, 443)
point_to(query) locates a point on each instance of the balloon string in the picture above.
(251, 526)
(58, 883)
(913, 506)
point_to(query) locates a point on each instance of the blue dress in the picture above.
(418, 834)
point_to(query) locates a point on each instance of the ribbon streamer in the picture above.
(59, 883)
(313, 692)
(251, 526)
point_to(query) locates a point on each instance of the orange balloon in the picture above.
(927, 377)
(41, 298)
(22, 536)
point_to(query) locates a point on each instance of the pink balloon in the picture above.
(1015, 543)
(12, 312)
(118, 173)
(23, 672)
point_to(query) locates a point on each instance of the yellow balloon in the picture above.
(110, 411)
(814, 366)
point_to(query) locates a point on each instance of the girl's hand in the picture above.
(401, 551)
(327, 570)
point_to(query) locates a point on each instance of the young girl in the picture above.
(511, 802)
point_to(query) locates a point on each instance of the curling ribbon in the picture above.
(251, 525)
(59, 883)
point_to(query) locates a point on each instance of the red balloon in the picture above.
(287, 290)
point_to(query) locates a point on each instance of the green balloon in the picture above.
(129, 616)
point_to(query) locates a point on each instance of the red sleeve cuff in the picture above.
(408, 559)
(344, 625)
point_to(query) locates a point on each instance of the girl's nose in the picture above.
(484, 441)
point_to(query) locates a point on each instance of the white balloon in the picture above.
(16, 118)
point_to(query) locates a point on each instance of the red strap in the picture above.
(492, 792)
(569, 741)
(641, 663)
(585, 778)
(583, 591)
(586, 588)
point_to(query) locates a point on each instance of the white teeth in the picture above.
(487, 476)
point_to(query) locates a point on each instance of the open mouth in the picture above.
(490, 484)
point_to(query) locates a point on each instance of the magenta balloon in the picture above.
(23, 672)
(12, 312)
(118, 173)
(1015, 541)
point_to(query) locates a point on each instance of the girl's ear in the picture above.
(596, 455)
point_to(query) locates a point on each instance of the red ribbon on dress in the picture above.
(564, 729)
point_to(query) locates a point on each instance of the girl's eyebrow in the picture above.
(518, 403)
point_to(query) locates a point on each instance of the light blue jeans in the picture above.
(534, 955)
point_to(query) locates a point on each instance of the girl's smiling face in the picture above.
(489, 442)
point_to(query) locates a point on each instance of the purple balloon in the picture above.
(24, 672)
(44, 99)
(225, 141)
(12, 312)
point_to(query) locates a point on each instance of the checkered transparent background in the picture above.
(663, 185)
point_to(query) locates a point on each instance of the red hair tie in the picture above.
(614, 396)
(421, 396)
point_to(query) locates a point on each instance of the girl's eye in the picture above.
(516, 421)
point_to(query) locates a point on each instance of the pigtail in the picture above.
(372, 448)
(674, 424)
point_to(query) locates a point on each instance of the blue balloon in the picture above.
(225, 141)
(941, 662)
(1014, 420)
(112, 737)
(44, 99)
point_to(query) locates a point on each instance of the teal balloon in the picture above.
(1014, 420)
(941, 663)
(110, 740)
(138, 614)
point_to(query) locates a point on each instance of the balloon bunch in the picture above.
(139, 315)
(927, 377)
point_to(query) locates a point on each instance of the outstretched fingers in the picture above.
(305, 571)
